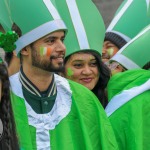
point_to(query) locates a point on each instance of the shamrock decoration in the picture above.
(7, 41)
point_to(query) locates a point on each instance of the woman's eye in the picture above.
(77, 65)
(94, 64)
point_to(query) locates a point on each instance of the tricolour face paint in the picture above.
(69, 72)
(45, 51)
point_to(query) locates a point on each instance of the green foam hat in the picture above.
(5, 19)
(148, 7)
(35, 18)
(136, 53)
(85, 25)
(130, 18)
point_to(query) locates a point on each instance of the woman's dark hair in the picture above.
(105, 74)
(147, 66)
(8, 57)
(9, 140)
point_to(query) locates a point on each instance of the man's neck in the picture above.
(40, 78)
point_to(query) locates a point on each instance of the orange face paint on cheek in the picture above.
(49, 50)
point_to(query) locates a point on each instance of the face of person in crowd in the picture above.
(115, 67)
(48, 52)
(108, 51)
(82, 68)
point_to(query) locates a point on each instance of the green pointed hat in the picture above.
(35, 18)
(148, 7)
(85, 25)
(5, 19)
(130, 18)
(136, 53)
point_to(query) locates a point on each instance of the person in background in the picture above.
(124, 26)
(8, 137)
(128, 108)
(112, 44)
(135, 54)
(50, 111)
(83, 63)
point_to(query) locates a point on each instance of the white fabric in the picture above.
(52, 9)
(78, 24)
(119, 15)
(148, 4)
(124, 61)
(119, 100)
(45, 122)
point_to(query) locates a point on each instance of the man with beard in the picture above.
(50, 111)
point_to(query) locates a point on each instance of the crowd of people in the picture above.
(67, 83)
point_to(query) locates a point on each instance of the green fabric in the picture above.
(5, 20)
(137, 50)
(78, 131)
(40, 105)
(131, 21)
(92, 21)
(126, 80)
(23, 18)
(23, 129)
(131, 121)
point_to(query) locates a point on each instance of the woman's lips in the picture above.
(86, 80)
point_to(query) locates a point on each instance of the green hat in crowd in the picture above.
(148, 7)
(130, 18)
(5, 19)
(35, 18)
(85, 25)
(136, 53)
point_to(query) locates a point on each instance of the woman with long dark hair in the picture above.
(87, 68)
(8, 139)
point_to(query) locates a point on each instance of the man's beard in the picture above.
(46, 65)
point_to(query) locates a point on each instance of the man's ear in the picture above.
(25, 51)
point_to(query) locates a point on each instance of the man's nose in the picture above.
(61, 46)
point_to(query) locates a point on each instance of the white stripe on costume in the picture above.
(119, 15)
(119, 100)
(78, 24)
(52, 9)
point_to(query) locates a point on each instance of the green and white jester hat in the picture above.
(85, 25)
(35, 18)
(136, 53)
(5, 19)
(130, 18)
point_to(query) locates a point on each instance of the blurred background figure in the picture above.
(128, 108)
(124, 26)
(135, 54)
